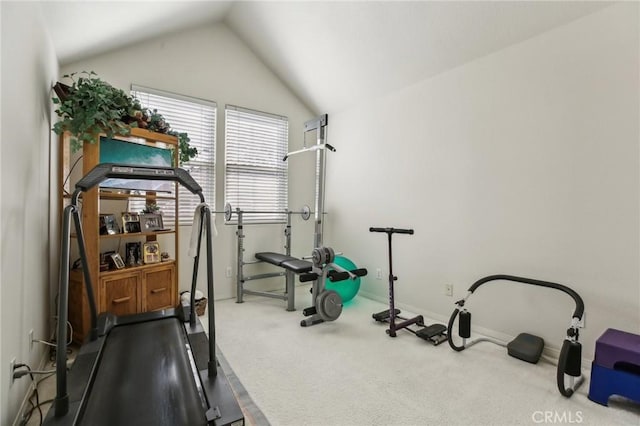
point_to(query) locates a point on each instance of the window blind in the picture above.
(197, 118)
(255, 175)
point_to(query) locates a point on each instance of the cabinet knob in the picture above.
(158, 290)
(121, 300)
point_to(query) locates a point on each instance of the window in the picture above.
(197, 118)
(255, 173)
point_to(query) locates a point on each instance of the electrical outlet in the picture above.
(448, 290)
(378, 274)
(228, 272)
(12, 365)
(30, 340)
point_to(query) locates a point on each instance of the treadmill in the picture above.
(155, 368)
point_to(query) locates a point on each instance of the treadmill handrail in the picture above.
(126, 171)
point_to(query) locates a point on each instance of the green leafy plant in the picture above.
(151, 208)
(157, 123)
(185, 151)
(90, 106)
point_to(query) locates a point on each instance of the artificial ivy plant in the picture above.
(157, 123)
(90, 106)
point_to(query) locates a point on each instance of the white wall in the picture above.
(210, 62)
(29, 69)
(524, 162)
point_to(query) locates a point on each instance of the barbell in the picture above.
(304, 212)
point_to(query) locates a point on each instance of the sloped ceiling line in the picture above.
(330, 54)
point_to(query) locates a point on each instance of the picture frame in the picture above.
(151, 252)
(133, 253)
(108, 224)
(150, 222)
(130, 222)
(105, 260)
(117, 260)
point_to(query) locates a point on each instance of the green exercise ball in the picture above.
(347, 289)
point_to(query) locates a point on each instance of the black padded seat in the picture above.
(526, 347)
(297, 265)
(273, 258)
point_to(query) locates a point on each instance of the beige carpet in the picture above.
(349, 372)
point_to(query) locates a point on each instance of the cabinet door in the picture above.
(121, 294)
(159, 287)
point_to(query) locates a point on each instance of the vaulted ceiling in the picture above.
(330, 54)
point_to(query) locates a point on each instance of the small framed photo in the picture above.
(117, 260)
(130, 222)
(150, 222)
(151, 252)
(133, 253)
(108, 224)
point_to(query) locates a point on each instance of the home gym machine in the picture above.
(525, 346)
(326, 304)
(154, 368)
(319, 124)
(435, 333)
(290, 264)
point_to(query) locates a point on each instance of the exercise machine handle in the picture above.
(392, 230)
(308, 277)
(333, 275)
(341, 276)
(577, 313)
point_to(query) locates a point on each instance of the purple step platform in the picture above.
(615, 346)
(619, 349)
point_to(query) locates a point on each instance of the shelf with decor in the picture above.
(138, 234)
(132, 256)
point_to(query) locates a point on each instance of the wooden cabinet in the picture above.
(159, 287)
(147, 288)
(133, 289)
(120, 293)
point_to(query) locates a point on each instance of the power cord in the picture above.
(53, 345)
(17, 374)
(29, 371)
(69, 175)
(38, 404)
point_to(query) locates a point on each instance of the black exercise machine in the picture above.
(155, 368)
(435, 333)
(525, 346)
(326, 305)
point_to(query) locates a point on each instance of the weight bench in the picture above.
(291, 265)
(295, 265)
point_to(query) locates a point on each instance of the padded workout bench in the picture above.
(297, 266)
(291, 265)
(616, 367)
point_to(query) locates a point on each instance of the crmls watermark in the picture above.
(557, 417)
